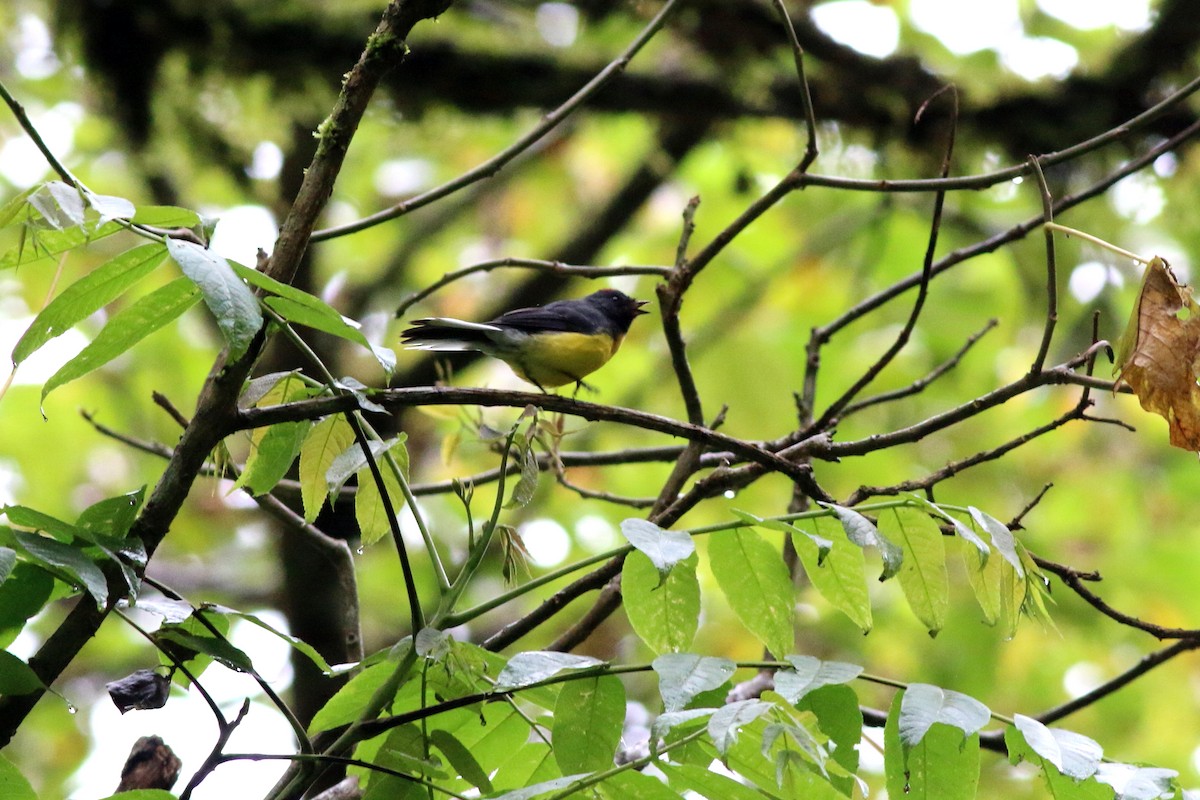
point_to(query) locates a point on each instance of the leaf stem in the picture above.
(1096, 240)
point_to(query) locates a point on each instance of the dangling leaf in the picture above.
(1072, 754)
(841, 577)
(524, 669)
(276, 446)
(588, 717)
(682, 676)
(302, 308)
(227, 295)
(863, 533)
(923, 705)
(942, 765)
(1159, 351)
(809, 674)
(923, 574)
(755, 581)
(126, 328)
(87, 295)
(663, 610)
(665, 548)
(327, 439)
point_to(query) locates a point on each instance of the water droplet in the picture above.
(730, 494)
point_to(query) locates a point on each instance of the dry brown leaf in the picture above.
(1159, 353)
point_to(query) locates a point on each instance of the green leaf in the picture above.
(630, 785)
(433, 644)
(1133, 782)
(682, 676)
(39, 521)
(275, 447)
(325, 440)
(1013, 592)
(822, 544)
(49, 243)
(924, 705)
(25, 590)
(352, 459)
(80, 569)
(663, 547)
(755, 581)
(490, 734)
(126, 328)
(305, 309)
(461, 759)
(8, 560)
(965, 532)
(923, 575)
(943, 766)
(166, 217)
(10, 212)
(369, 510)
(108, 521)
(841, 576)
(60, 204)
(530, 764)
(665, 723)
(664, 612)
(294, 642)
(17, 677)
(405, 750)
(1060, 786)
(13, 785)
(708, 784)
(725, 725)
(984, 574)
(588, 718)
(142, 794)
(172, 611)
(219, 649)
(88, 295)
(348, 702)
(1072, 754)
(108, 206)
(545, 787)
(1002, 537)
(863, 533)
(809, 674)
(225, 294)
(840, 718)
(528, 668)
(526, 486)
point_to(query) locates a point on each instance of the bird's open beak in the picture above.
(639, 309)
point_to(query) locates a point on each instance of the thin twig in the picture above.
(538, 265)
(989, 179)
(956, 467)
(1015, 524)
(1014, 233)
(810, 119)
(436, 395)
(939, 201)
(498, 161)
(1051, 268)
(919, 385)
(1143, 666)
(1047, 377)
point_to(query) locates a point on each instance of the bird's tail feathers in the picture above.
(447, 334)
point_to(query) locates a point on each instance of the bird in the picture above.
(549, 346)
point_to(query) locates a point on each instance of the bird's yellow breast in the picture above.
(556, 359)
